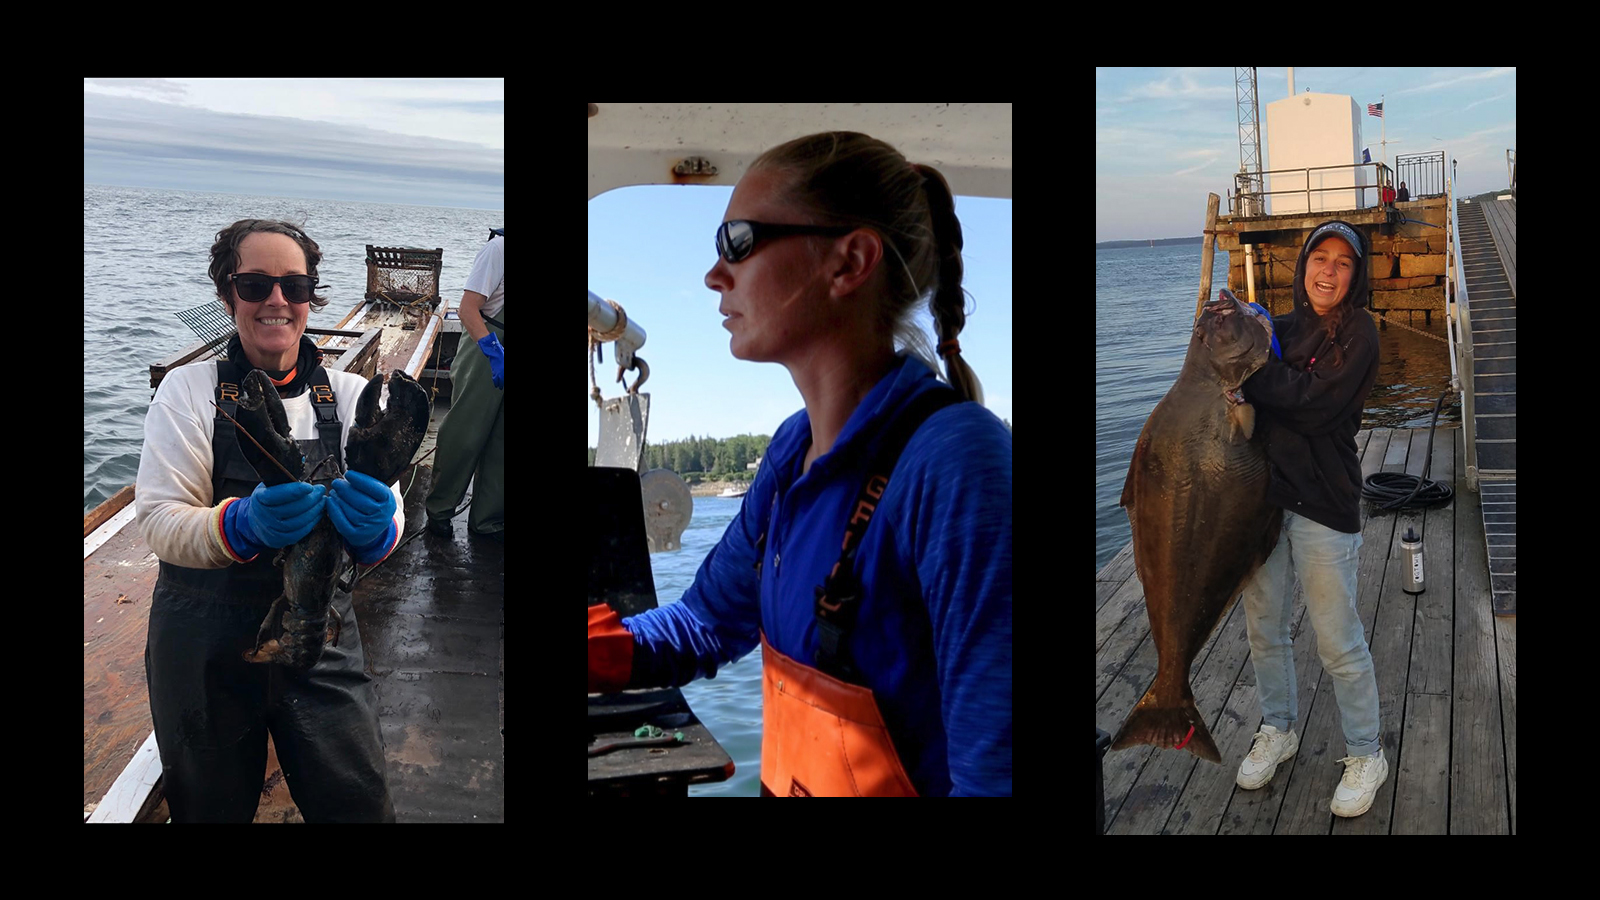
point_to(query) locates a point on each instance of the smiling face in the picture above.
(1330, 268)
(270, 329)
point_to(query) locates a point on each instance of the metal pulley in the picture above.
(667, 509)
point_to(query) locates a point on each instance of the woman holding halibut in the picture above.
(1310, 404)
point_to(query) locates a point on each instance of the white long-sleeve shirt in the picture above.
(173, 502)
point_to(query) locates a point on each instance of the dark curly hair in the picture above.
(225, 254)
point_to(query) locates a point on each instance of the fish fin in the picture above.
(1243, 418)
(1133, 470)
(1167, 727)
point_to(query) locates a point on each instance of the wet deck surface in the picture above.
(433, 628)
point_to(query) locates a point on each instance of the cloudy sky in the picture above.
(1165, 136)
(413, 141)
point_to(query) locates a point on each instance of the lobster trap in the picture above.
(403, 275)
(211, 322)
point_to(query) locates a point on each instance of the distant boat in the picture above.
(733, 492)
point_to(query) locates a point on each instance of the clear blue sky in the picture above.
(418, 142)
(650, 248)
(1166, 136)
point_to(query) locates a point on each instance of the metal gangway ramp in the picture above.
(1489, 262)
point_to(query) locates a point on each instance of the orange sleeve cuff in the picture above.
(610, 651)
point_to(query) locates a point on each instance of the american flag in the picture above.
(1375, 109)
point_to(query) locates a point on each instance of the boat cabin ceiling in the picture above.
(714, 143)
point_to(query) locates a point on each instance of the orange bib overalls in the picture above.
(822, 737)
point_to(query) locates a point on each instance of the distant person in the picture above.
(472, 438)
(1405, 195)
(887, 667)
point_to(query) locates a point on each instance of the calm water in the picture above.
(730, 704)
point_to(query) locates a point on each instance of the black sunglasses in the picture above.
(255, 287)
(736, 240)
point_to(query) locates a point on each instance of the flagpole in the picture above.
(1383, 106)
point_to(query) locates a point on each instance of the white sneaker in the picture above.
(1363, 775)
(1271, 747)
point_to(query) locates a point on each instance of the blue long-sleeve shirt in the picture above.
(933, 637)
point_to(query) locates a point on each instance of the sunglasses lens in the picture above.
(735, 240)
(255, 288)
(297, 288)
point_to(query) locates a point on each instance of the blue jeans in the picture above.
(1325, 560)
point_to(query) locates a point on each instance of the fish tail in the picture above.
(1168, 727)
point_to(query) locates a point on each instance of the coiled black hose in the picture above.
(1397, 490)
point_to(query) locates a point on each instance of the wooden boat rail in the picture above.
(360, 357)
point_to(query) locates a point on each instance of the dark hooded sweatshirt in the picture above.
(1310, 403)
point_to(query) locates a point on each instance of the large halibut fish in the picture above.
(1196, 495)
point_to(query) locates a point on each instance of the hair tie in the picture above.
(950, 348)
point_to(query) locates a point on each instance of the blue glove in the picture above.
(1276, 350)
(491, 347)
(276, 516)
(361, 508)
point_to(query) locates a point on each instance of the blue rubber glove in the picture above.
(1276, 350)
(276, 516)
(492, 348)
(361, 508)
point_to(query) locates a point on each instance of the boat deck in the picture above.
(432, 628)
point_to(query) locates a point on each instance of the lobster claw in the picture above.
(381, 441)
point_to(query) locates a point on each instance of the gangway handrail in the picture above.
(1455, 254)
(1459, 333)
